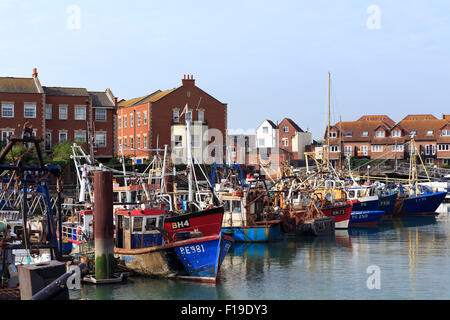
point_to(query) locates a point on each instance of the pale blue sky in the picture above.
(266, 59)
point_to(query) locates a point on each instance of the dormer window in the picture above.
(333, 134)
(365, 134)
(430, 132)
(379, 134)
(413, 132)
(446, 133)
(396, 134)
(349, 134)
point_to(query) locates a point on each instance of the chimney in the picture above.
(189, 81)
(35, 73)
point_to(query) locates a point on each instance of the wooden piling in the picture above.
(103, 225)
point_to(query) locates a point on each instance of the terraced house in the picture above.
(158, 119)
(58, 114)
(379, 137)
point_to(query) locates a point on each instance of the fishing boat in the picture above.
(415, 198)
(77, 230)
(387, 203)
(143, 246)
(364, 197)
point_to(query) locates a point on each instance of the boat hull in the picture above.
(259, 233)
(387, 204)
(370, 205)
(208, 222)
(196, 259)
(365, 218)
(341, 215)
(425, 204)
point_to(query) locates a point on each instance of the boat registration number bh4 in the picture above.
(181, 224)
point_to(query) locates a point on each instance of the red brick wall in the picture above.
(18, 121)
(288, 135)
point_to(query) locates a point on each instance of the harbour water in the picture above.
(409, 256)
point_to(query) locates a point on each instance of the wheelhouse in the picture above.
(137, 229)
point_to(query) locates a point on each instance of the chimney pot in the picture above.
(35, 74)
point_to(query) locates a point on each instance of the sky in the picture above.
(265, 59)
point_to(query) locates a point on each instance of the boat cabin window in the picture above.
(372, 192)
(236, 206)
(351, 194)
(359, 193)
(137, 224)
(226, 205)
(126, 223)
(150, 222)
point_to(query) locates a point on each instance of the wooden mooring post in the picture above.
(103, 225)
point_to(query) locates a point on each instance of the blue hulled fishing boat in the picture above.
(365, 218)
(387, 203)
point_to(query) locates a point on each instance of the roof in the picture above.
(296, 127)
(64, 91)
(272, 124)
(152, 97)
(381, 117)
(357, 128)
(19, 85)
(101, 99)
(422, 127)
(420, 117)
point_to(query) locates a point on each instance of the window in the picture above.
(176, 115)
(429, 161)
(6, 134)
(80, 136)
(333, 134)
(29, 110)
(196, 141)
(348, 150)
(48, 112)
(201, 115)
(285, 142)
(131, 120)
(430, 132)
(446, 133)
(137, 224)
(7, 110)
(62, 136)
(413, 132)
(138, 142)
(119, 123)
(48, 141)
(124, 143)
(62, 112)
(286, 129)
(145, 141)
(377, 148)
(430, 149)
(334, 148)
(131, 142)
(100, 139)
(261, 142)
(125, 121)
(100, 115)
(138, 119)
(178, 141)
(120, 141)
(349, 134)
(188, 115)
(364, 150)
(265, 130)
(145, 118)
(443, 147)
(365, 134)
(149, 223)
(397, 148)
(80, 113)
(396, 134)
(379, 134)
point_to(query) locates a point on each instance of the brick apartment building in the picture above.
(58, 114)
(158, 119)
(379, 137)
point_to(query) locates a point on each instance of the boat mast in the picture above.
(328, 127)
(189, 153)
